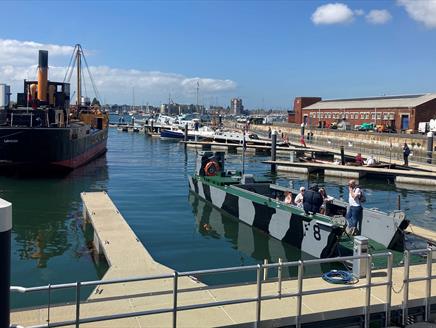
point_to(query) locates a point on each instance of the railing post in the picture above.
(368, 291)
(389, 289)
(279, 274)
(49, 304)
(406, 287)
(78, 304)
(175, 291)
(428, 284)
(265, 270)
(259, 295)
(299, 291)
(5, 261)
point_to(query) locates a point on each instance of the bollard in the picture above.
(360, 248)
(186, 133)
(292, 156)
(5, 261)
(196, 126)
(273, 151)
(429, 147)
(342, 155)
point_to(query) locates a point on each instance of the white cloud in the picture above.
(332, 13)
(378, 17)
(423, 11)
(359, 12)
(16, 52)
(18, 61)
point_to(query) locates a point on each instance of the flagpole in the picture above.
(244, 145)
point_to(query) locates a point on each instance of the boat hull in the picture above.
(38, 148)
(168, 134)
(311, 236)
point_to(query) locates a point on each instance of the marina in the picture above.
(192, 165)
(175, 153)
(176, 299)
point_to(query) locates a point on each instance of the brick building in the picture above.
(400, 112)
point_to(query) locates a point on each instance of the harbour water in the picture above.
(147, 180)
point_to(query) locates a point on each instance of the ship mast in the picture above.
(79, 82)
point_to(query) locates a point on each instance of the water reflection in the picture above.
(213, 223)
(47, 239)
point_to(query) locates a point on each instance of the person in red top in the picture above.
(302, 141)
(359, 159)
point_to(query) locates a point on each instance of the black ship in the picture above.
(42, 130)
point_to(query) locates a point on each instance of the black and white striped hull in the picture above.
(314, 237)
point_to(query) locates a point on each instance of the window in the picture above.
(379, 116)
(366, 115)
(391, 116)
(356, 116)
(362, 115)
(373, 116)
(385, 116)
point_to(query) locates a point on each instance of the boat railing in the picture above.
(259, 297)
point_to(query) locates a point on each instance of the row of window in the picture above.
(353, 116)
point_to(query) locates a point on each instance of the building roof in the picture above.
(402, 101)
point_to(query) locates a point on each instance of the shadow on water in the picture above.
(47, 238)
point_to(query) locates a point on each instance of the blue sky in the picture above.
(266, 52)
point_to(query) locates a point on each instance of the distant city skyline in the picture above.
(264, 52)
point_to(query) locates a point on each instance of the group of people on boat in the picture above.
(315, 200)
(370, 161)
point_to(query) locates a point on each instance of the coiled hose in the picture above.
(340, 277)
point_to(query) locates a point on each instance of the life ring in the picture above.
(212, 168)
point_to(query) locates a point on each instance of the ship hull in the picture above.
(58, 148)
(313, 237)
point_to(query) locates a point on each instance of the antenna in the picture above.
(198, 88)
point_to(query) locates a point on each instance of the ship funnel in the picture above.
(43, 75)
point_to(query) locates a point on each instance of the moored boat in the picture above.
(255, 202)
(42, 131)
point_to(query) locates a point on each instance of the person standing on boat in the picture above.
(355, 210)
(406, 153)
(326, 200)
(300, 197)
(312, 200)
(269, 132)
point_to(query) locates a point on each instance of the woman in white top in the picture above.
(355, 210)
(299, 198)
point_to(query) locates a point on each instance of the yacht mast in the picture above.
(79, 82)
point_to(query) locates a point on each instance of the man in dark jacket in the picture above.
(406, 153)
(312, 200)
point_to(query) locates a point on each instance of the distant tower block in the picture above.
(236, 106)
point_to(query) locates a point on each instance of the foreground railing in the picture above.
(260, 271)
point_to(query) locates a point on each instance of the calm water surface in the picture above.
(147, 180)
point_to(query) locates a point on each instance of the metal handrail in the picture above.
(299, 294)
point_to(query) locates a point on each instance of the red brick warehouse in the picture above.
(402, 112)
